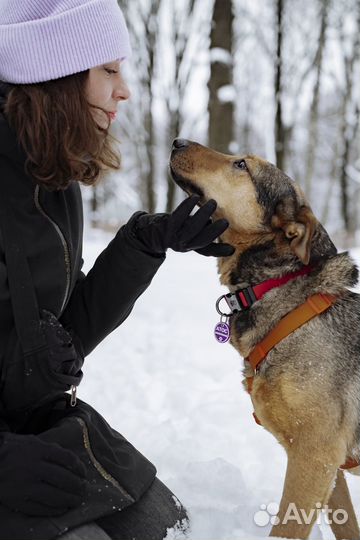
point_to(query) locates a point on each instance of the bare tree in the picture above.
(181, 28)
(142, 20)
(221, 107)
(150, 40)
(349, 116)
(314, 107)
(279, 125)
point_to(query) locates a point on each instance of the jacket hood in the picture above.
(9, 146)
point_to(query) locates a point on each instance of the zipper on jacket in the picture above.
(64, 244)
(98, 465)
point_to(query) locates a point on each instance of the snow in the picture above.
(163, 381)
(220, 55)
(226, 94)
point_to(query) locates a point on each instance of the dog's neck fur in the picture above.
(260, 263)
(261, 257)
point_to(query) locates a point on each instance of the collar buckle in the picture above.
(247, 297)
(240, 300)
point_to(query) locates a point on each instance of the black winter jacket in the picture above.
(50, 225)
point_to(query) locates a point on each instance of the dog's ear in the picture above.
(298, 226)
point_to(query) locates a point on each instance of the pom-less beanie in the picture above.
(48, 39)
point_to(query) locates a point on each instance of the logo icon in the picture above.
(267, 514)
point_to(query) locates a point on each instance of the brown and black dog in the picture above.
(307, 390)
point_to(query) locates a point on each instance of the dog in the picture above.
(306, 391)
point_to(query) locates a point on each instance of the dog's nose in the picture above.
(181, 143)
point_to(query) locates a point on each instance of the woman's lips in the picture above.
(112, 116)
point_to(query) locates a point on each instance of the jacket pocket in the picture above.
(28, 380)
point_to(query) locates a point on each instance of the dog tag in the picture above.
(222, 331)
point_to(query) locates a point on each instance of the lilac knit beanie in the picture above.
(48, 39)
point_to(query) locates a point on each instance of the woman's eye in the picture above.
(241, 164)
(110, 71)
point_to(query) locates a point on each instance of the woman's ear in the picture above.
(298, 227)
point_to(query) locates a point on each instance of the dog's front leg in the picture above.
(340, 501)
(311, 471)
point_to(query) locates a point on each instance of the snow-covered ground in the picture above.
(163, 381)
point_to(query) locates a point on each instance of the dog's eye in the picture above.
(240, 165)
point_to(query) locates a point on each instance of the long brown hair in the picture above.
(61, 139)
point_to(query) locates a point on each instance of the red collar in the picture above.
(262, 288)
(242, 299)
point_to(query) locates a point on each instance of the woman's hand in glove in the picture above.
(38, 478)
(180, 231)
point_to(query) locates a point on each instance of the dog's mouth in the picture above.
(189, 187)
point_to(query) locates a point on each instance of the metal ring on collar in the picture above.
(218, 308)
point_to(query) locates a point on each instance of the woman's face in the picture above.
(105, 87)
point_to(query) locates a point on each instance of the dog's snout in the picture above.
(180, 143)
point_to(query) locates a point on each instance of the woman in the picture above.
(62, 467)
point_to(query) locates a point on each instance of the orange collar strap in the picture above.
(314, 305)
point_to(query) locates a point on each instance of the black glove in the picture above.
(64, 357)
(180, 231)
(38, 478)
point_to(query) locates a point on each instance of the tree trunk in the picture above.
(279, 126)
(94, 205)
(314, 109)
(348, 126)
(151, 33)
(180, 83)
(174, 131)
(221, 108)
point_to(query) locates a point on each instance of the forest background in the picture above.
(277, 78)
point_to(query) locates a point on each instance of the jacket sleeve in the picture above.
(104, 298)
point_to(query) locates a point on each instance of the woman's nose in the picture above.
(122, 92)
